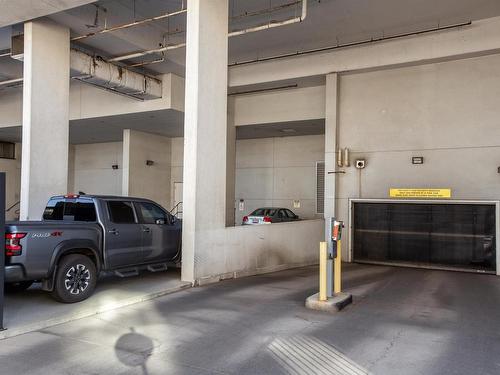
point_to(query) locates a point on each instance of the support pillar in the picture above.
(205, 131)
(44, 168)
(331, 145)
(331, 120)
(231, 165)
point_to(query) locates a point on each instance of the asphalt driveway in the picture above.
(403, 321)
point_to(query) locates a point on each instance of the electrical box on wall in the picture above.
(360, 163)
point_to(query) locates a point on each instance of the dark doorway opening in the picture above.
(437, 235)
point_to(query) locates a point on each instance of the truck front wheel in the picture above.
(75, 279)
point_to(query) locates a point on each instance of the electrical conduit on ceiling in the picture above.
(266, 26)
(102, 73)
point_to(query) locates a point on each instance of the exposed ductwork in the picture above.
(98, 72)
(104, 74)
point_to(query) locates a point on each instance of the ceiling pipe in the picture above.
(137, 65)
(265, 11)
(274, 24)
(354, 44)
(128, 25)
(267, 26)
(148, 52)
(11, 82)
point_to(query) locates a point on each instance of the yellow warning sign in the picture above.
(420, 193)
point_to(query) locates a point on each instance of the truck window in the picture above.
(121, 212)
(151, 212)
(70, 210)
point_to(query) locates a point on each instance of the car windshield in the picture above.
(70, 210)
(264, 212)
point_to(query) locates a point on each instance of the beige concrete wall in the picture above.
(253, 249)
(139, 179)
(177, 158)
(270, 172)
(91, 168)
(277, 171)
(449, 113)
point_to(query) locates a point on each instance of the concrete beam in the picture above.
(22, 10)
(480, 38)
(300, 104)
(86, 102)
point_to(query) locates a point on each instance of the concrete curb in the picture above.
(332, 305)
(254, 272)
(90, 312)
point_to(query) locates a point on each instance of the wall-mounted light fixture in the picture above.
(114, 166)
(417, 160)
(149, 163)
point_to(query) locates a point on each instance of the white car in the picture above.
(269, 215)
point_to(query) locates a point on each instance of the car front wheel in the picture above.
(75, 280)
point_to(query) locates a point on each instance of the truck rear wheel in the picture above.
(75, 279)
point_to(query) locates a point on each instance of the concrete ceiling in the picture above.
(15, 11)
(328, 23)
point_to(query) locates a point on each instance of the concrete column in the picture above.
(44, 170)
(331, 120)
(231, 164)
(205, 129)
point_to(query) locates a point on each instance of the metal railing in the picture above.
(11, 207)
(176, 210)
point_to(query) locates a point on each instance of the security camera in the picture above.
(360, 163)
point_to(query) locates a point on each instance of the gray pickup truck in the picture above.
(81, 236)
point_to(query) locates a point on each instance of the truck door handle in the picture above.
(146, 230)
(113, 231)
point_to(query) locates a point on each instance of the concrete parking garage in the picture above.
(383, 115)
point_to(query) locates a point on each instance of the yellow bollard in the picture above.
(337, 285)
(322, 271)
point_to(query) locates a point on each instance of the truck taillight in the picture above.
(245, 219)
(13, 244)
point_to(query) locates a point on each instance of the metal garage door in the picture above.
(457, 236)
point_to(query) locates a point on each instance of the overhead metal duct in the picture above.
(98, 72)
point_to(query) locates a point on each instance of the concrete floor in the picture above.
(403, 321)
(35, 309)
